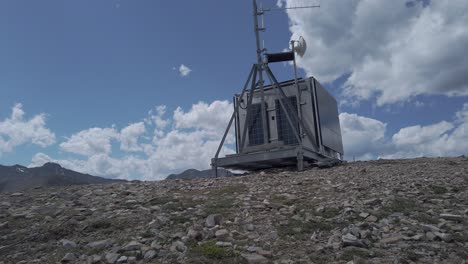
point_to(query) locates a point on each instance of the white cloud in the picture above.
(462, 115)
(364, 138)
(184, 70)
(91, 141)
(416, 135)
(16, 130)
(393, 50)
(129, 136)
(190, 143)
(193, 138)
(212, 118)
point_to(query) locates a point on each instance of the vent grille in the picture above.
(285, 131)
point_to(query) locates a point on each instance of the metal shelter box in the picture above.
(320, 131)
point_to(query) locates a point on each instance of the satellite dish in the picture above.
(300, 47)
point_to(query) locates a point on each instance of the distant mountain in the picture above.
(18, 178)
(194, 174)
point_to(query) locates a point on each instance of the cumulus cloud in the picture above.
(90, 141)
(157, 150)
(202, 116)
(391, 50)
(129, 136)
(17, 130)
(365, 138)
(161, 145)
(184, 70)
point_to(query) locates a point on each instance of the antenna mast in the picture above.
(257, 13)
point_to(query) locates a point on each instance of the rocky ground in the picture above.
(387, 211)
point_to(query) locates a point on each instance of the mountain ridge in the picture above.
(18, 178)
(196, 174)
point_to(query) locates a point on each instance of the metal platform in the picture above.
(286, 156)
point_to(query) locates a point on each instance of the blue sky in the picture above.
(79, 65)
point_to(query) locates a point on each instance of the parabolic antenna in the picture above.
(300, 47)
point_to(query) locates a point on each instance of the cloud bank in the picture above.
(17, 130)
(163, 143)
(391, 50)
(150, 149)
(365, 138)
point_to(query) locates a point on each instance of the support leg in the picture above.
(300, 160)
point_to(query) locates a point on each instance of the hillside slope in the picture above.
(387, 211)
(191, 174)
(18, 178)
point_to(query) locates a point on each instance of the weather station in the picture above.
(293, 122)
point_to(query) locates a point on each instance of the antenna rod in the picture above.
(260, 69)
(286, 8)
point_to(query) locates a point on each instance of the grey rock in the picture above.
(255, 258)
(69, 257)
(445, 237)
(178, 246)
(96, 259)
(4, 225)
(101, 244)
(430, 228)
(150, 254)
(194, 234)
(133, 245)
(122, 259)
(222, 234)
(451, 217)
(371, 218)
(430, 236)
(224, 244)
(213, 220)
(249, 227)
(349, 240)
(111, 258)
(364, 214)
(68, 244)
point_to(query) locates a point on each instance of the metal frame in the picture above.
(293, 118)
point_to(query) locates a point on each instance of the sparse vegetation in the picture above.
(303, 229)
(220, 206)
(425, 218)
(438, 189)
(413, 256)
(349, 253)
(400, 205)
(329, 212)
(211, 250)
(229, 190)
(281, 199)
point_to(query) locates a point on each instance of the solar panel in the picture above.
(255, 125)
(285, 131)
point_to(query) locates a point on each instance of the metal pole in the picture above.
(299, 100)
(257, 30)
(300, 153)
(236, 110)
(288, 117)
(249, 103)
(214, 164)
(296, 118)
